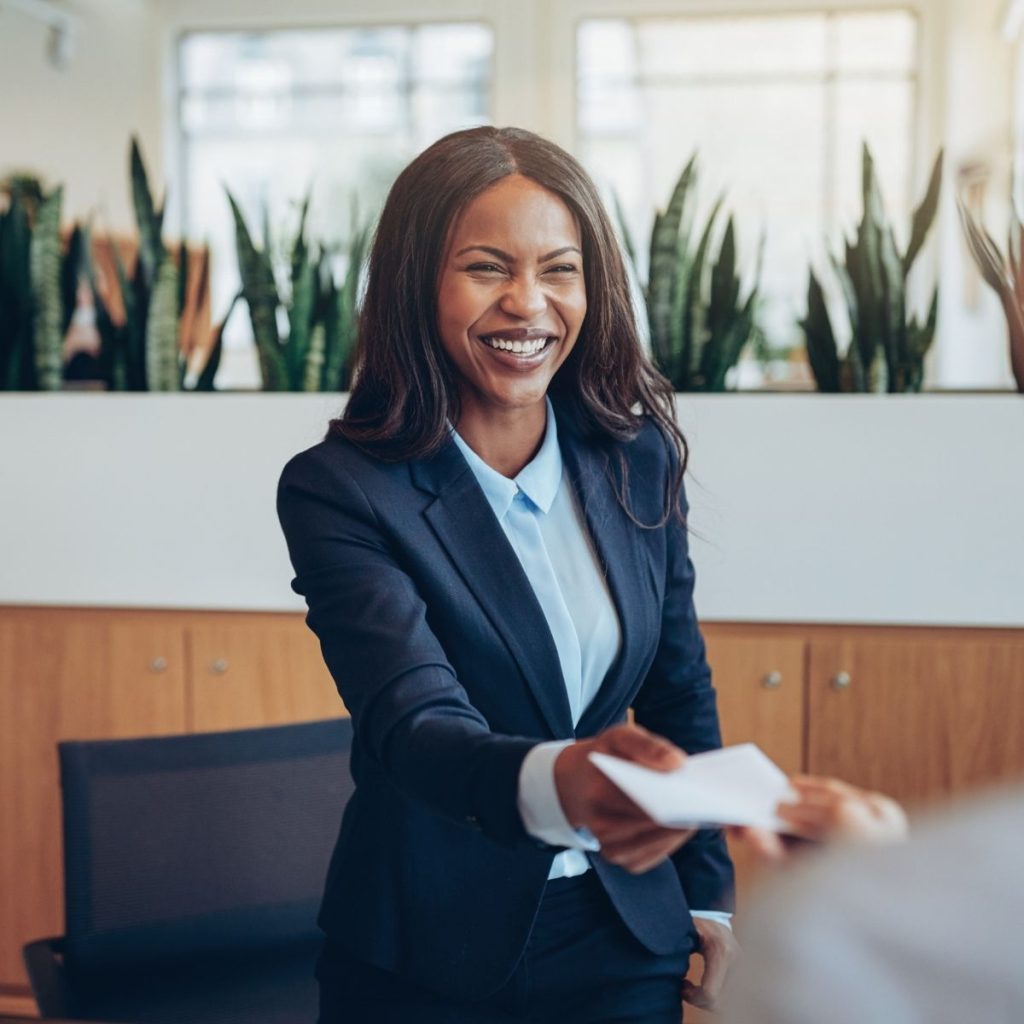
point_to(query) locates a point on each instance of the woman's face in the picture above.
(511, 299)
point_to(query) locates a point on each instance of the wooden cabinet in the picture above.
(918, 713)
(920, 717)
(91, 674)
(247, 671)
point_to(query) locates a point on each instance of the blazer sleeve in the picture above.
(410, 714)
(677, 700)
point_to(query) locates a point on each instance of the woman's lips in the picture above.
(523, 348)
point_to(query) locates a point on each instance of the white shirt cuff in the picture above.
(721, 916)
(538, 801)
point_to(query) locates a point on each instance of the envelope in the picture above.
(737, 785)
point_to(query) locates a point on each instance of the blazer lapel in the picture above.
(465, 525)
(620, 551)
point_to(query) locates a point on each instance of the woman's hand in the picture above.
(628, 837)
(718, 947)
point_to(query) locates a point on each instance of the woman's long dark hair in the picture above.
(405, 390)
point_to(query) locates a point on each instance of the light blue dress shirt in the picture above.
(543, 522)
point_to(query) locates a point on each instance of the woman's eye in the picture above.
(484, 268)
(563, 268)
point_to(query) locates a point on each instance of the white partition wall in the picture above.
(804, 508)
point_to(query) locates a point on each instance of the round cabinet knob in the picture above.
(771, 680)
(219, 667)
(158, 664)
(841, 681)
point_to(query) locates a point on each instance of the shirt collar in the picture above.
(538, 480)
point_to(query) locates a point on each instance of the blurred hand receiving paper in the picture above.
(735, 786)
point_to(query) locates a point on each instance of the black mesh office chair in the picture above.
(193, 869)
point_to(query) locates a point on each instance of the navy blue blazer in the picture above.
(443, 657)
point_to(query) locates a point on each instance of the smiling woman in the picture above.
(492, 545)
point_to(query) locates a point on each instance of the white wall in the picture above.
(73, 126)
(805, 508)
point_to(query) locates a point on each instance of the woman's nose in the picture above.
(524, 297)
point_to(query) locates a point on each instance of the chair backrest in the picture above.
(213, 843)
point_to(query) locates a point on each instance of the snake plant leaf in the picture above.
(853, 372)
(893, 336)
(301, 310)
(919, 341)
(260, 293)
(314, 366)
(924, 215)
(301, 321)
(1018, 233)
(206, 377)
(162, 359)
(147, 218)
(48, 313)
(183, 274)
(17, 363)
(985, 251)
(878, 372)
(725, 284)
(71, 272)
(842, 275)
(822, 351)
(664, 256)
(695, 312)
(990, 262)
(129, 364)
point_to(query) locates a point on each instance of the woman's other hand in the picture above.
(718, 948)
(628, 837)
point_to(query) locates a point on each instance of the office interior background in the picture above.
(859, 558)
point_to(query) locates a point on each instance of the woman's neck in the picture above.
(506, 439)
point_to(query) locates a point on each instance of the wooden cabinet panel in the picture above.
(66, 675)
(919, 719)
(253, 670)
(759, 679)
(760, 684)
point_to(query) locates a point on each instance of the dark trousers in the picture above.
(581, 966)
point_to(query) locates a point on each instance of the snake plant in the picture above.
(699, 322)
(887, 349)
(33, 271)
(144, 351)
(1005, 275)
(316, 355)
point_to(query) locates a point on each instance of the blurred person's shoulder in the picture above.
(929, 929)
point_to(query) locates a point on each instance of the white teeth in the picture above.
(526, 348)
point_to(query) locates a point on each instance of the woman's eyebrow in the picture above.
(502, 255)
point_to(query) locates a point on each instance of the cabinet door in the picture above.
(759, 679)
(920, 719)
(67, 675)
(253, 670)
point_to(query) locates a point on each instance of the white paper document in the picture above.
(735, 786)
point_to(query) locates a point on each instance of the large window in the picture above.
(272, 115)
(777, 107)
